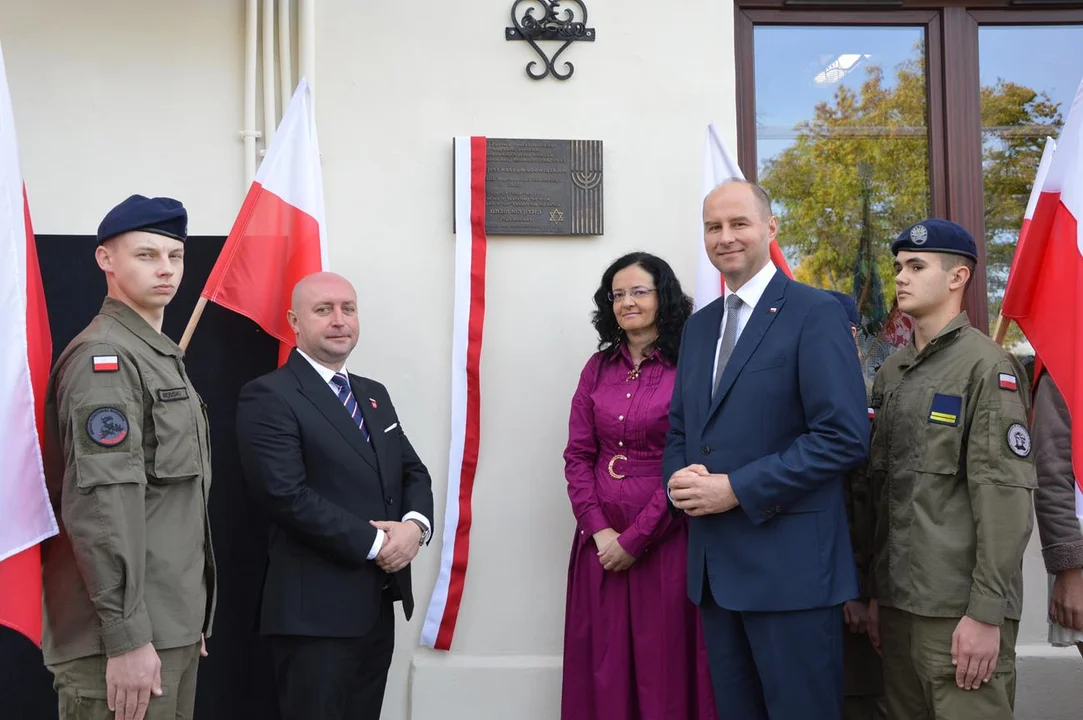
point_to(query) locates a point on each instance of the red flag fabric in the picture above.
(279, 236)
(25, 355)
(1045, 288)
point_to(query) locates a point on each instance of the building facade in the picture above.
(860, 118)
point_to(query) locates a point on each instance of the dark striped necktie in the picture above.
(345, 395)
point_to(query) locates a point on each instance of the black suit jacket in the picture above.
(321, 483)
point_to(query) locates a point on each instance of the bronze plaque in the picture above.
(543, 187)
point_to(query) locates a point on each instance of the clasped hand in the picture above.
(697, 492)
(401, 543)
(611, 554)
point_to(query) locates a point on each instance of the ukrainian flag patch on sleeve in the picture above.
(946, 409)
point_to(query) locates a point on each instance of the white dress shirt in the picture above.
(328, 374)
(750, 294)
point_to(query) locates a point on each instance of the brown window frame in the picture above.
(952, 87)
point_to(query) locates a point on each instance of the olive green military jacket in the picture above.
(951, 477)
(128, 466)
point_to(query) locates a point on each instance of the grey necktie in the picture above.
(729, 338)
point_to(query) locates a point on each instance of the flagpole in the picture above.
(1001, 330)
(192, 322)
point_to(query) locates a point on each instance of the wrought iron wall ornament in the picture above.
(553, 22)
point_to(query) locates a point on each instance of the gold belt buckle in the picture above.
(613, 473)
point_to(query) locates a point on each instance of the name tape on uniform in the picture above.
(180, 393)
(106, 363)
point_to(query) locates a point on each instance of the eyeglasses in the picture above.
(637, 293)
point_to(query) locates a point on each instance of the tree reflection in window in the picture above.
(856, 174)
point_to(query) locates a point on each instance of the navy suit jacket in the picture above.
(790, 418)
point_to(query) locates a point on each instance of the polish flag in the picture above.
(718, 166)
(1032, 203)
(26, 517)
(1045, 289)
(106, 363)
(280, 235)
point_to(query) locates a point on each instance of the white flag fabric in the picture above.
(718, 165)
(26, 517)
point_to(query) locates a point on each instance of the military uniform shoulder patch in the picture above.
(1007, 381)
(105, 363)
(107, 426)
(1019, 440)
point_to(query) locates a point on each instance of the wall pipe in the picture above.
(270, 122)
(306, 45)
(249, 132)
(285, 53)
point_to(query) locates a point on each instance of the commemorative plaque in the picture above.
(543, 187)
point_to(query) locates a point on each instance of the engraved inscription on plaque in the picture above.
(543, 187)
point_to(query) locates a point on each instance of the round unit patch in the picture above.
(107, 427)
(919, 234)
(1019, 440)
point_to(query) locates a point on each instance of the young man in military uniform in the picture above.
(862, 673)
(129, 581)
(952, 476)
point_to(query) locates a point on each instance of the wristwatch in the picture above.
(424, 530)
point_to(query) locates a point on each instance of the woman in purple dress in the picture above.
(633, 649)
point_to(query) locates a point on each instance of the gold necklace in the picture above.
(648, 352)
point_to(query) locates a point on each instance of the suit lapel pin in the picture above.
(374, 406)
(772, 310)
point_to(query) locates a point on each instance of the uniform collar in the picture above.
(139, 327)
(942, 339)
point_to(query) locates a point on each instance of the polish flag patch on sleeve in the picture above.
(1008, 382)
(106, 363)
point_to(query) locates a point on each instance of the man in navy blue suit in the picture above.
(768, 415)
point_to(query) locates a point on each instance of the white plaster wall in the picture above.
(114, 97)
(118, 96)
(395, 83)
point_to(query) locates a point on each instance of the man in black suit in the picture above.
(350, 503)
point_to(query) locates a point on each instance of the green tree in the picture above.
(1015, 122)
(857, 174)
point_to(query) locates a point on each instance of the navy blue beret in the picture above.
(849, 306)
(163, 216)
(934, 235)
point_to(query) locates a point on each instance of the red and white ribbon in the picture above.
(469, 318)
